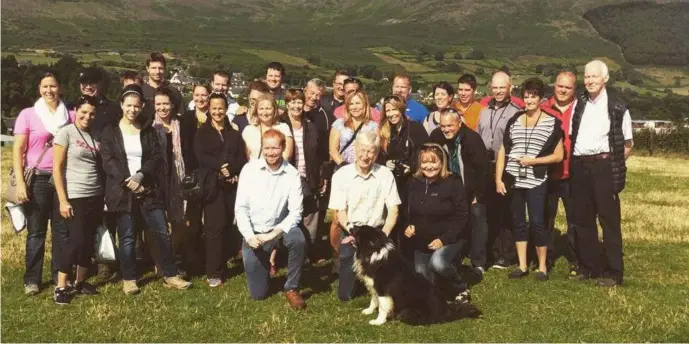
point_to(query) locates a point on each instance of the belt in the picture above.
(594, 157)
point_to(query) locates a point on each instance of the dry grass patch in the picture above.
(411, 67)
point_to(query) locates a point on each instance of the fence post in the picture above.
(651, 141)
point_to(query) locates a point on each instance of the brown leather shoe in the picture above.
(295, 300)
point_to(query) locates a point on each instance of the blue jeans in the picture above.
(438, 267)
(41, 208)
(348, 279)
(257, 263)
(535, 200)
(127, 224)
(479, 234)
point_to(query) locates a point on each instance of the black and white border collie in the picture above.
(395, 288)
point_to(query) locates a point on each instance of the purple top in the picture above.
(28, 123)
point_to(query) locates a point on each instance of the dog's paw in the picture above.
(376, 322)
(368, 311)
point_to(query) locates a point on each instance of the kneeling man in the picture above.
(364, 194)
(268, 208)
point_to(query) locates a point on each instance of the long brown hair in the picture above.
(437, 151)
(367, 109)
(386, 127)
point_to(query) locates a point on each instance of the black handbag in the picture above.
(191, 190)
(329, 168)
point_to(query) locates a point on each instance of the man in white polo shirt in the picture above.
(268, 208)
(601, 136)
(363, 193)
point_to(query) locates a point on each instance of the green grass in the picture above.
(652, 306)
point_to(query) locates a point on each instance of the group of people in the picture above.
(260, 178)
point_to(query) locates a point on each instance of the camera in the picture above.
(398, 171)
(144, 192)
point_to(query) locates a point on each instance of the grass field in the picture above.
(652, 306)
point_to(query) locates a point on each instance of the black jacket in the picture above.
(188, 128)
(118, 197)
(439, 210)
(311, 144)
(108, 113)
(539, 171)
(324, 121)
(406, 144)
(214, 149)
(329, 104)
(477, 166)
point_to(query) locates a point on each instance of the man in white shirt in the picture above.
(601, 135)
(363, 193)
(268, 208)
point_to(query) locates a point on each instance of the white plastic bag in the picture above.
(17, 217)
(105, 246)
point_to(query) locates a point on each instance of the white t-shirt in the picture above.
(132, 146)
(252, 138)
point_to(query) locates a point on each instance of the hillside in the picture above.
(335, 31)
(648, 33)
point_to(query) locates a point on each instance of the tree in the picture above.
(678, 81)
(453, 67)
(480, 71)
(315, 60)
(439, 56)
(505, 69)
(420, 58)
(458, 56)
(475, 55)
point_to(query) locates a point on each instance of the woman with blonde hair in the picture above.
(400, 140)
(437, 215)
(264, 116)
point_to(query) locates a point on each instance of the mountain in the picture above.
(648, 33)
(334, 31)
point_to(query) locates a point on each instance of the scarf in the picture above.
(456, 163)
(176, 144)
(175, 205)
(51, 121)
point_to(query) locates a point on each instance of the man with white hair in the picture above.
(601, 135)
(363, 193)
(491, 127)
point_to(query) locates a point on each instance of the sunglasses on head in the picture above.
(392, 97)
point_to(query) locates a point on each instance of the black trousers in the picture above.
(186, 237)
(222, 239)
(500, 242)
(88, 215)
(593, 196)
(561, 189)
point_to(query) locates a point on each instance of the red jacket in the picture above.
(561, 171)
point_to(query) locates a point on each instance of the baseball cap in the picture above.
(90, 75)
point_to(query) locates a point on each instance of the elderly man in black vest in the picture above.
(601, 137)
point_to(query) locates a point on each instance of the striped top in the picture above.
(528, 142)
(299, 151)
